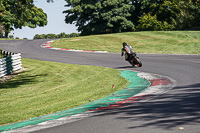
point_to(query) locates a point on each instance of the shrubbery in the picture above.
(150, 23)
(53, 36)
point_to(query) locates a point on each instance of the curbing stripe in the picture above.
(47, 45)
(156, 82)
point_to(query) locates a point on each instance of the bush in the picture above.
(74, 35)
(150, 23)
(11, 36)
(61, 35)
(37, 36)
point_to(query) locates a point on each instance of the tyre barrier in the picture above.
(6, 53)
(9, 63)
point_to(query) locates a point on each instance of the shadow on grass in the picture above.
(21, 79)
(166, 111)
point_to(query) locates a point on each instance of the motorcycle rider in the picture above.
(127, 52)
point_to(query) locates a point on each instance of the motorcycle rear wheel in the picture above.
(139, 63)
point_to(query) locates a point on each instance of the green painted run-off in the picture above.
(136, 86)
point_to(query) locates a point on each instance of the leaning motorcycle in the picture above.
(132, 57)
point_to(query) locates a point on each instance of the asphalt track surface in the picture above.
(177, 111)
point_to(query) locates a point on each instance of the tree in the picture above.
(138, 8)
(182, 14)
(18, 13)
(1, 29)
(99, 16)
(189, 15)
(37, 18)
(6, 18)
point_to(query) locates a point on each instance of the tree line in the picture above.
(105, 16)
(54, 36)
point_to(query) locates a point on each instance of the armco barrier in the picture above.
(9, 63)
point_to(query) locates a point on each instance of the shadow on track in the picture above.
(124, 67)
(166, 111)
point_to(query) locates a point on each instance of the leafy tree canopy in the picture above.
(150, 23)
(104, 16)
(18, 13)
(99, 16)
(182, 14)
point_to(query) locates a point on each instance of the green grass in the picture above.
(1, 56)
(160, 42)
(4, 39)
(47, 87)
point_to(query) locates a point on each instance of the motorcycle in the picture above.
(132, 57)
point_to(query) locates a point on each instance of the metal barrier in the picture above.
(9, 63)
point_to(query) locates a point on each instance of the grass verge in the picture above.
(1, 56)
(47, 87)
(160, 42)
(4, 39)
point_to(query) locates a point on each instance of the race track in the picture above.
(176, 111)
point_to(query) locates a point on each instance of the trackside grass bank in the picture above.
(1, 56)
(160, 42)
(48, 87)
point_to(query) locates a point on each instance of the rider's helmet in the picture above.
(124, 44)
